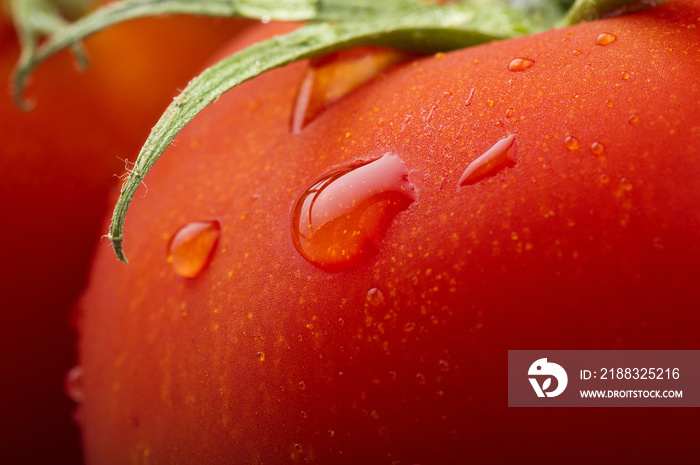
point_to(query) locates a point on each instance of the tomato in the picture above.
(59, 163)
(534, 193)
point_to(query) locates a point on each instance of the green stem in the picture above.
(425, 29)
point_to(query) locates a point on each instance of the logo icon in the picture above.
(542, 368)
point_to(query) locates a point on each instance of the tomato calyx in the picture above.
(333, 25)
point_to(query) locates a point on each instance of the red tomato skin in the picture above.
(264, 358)
(59, 163)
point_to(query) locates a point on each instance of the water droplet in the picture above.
(392, 375)
(439, 55)
(609, 103)
(520, 64)
(192, 246)
(303, 414)
(73, 384)
(332, 76)
(444, 365)
(420, 378)
(625, 75)
(469, 97)
(633, 119)
(605, 38)
(302, 385)
(626, 184)
(499, 156)
(261, 356)
(605, 178)
(408, 327)
(331, 433)
(571, 143)
(509, 113)
(597, 148)
(576, 53)
(341, 322)
(339, 221)
(375, 297)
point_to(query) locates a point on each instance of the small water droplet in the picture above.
(339, 221)
(331, 433)
(633, 119)
(420, 378)
(576, 53)
(73, 384)
(605, 38)
(303, 414)
(626, 184)
(302, 385)
(625, 75)
(439, 55)
(192, 246)
(375, 297)
(520, 64)
(509, 113)
(597, 148)
(501, 155)
(571, 143)
(408, 327)
(605, 178)
(392, 375)
(490, 102)
(609, 103)
(341, 322)
(261, 356)
(332, 76)
(469, 97)
(444, 365)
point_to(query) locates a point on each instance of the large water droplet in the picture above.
(520, 64)
(335, 75)
(191, 247)
(605, 38)
(340, 220)
(501, 155)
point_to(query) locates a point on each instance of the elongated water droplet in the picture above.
(605, 38)
(73, 384)
(633, 119)
(469, 97)
(192, 246)
(340, 220)
(501, 155)
(520, 64)
(335, 75)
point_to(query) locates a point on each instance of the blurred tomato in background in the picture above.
(58, 165)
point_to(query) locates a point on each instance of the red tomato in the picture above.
(536, 193)
(59, 163)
